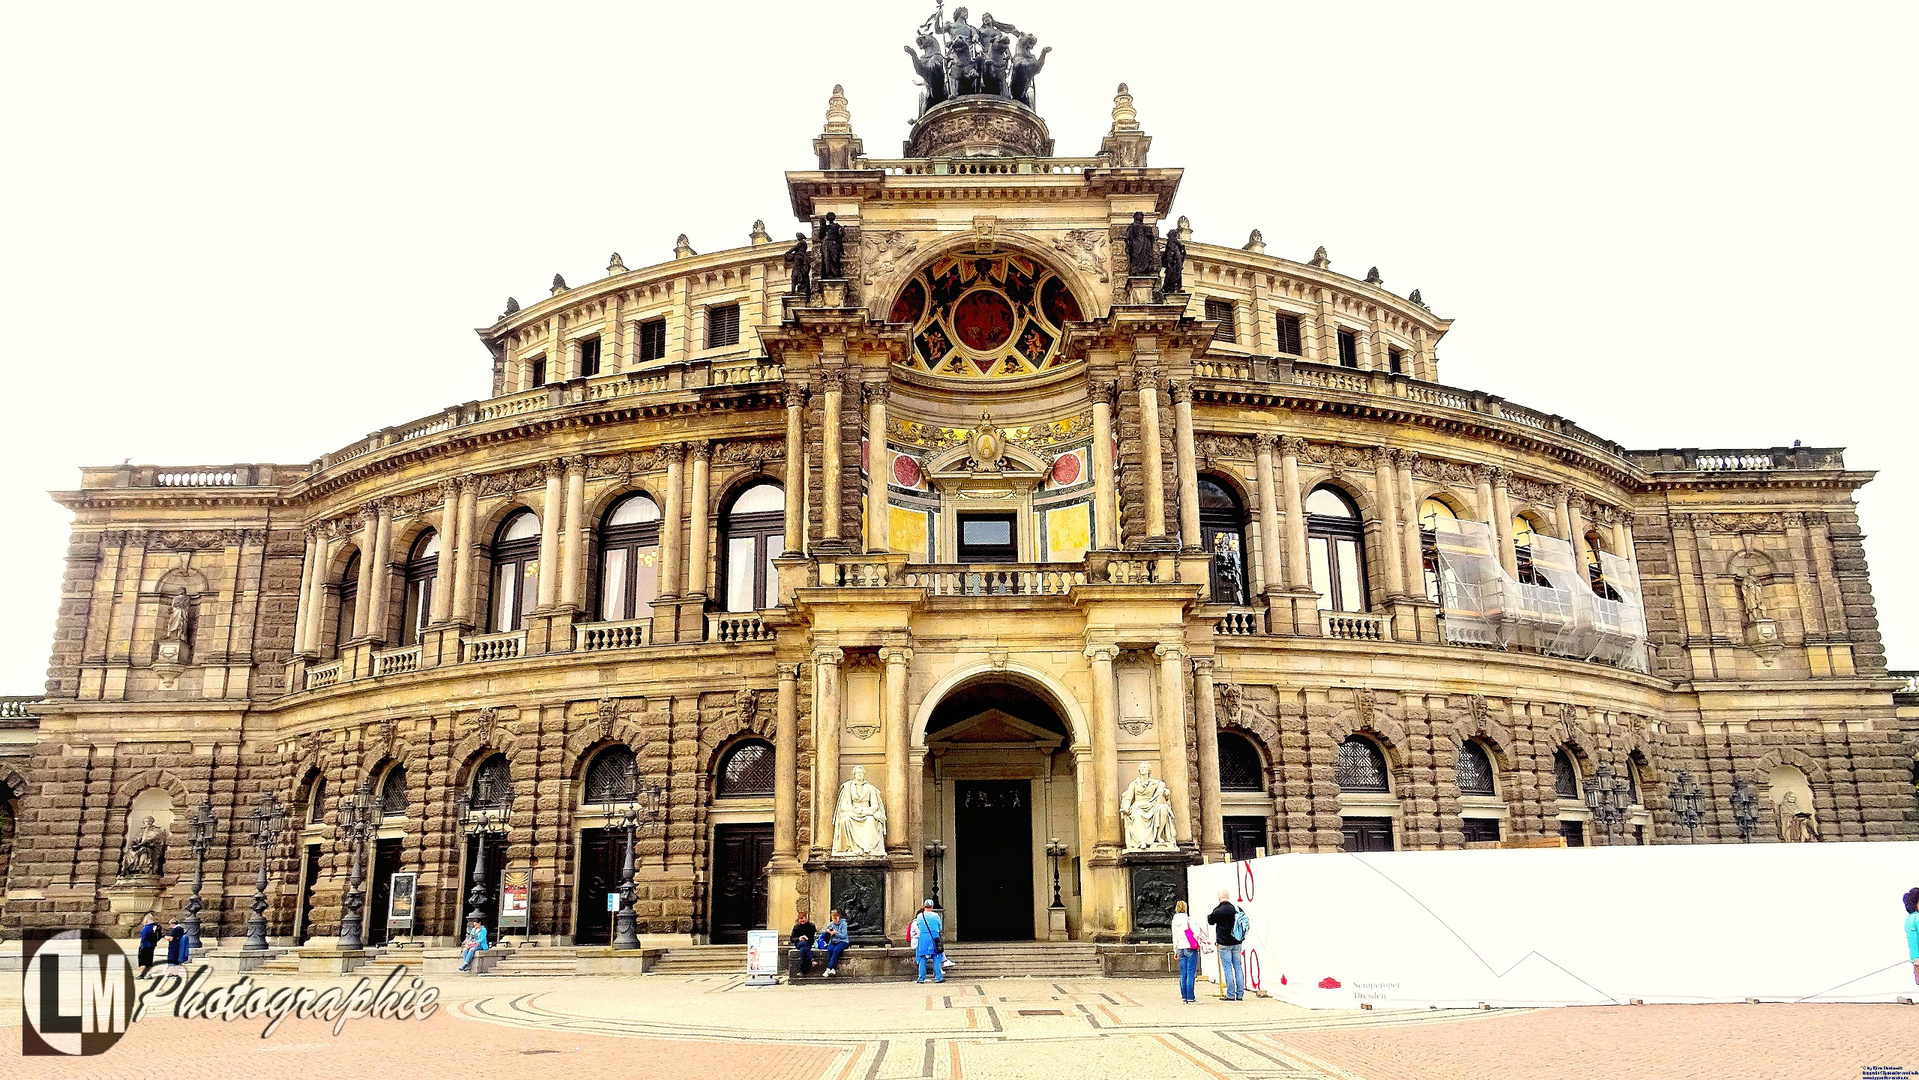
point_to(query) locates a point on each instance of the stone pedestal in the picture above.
(833, 293)
(1140, 290)
(1056, 924)
(1156, 880)
(859, 891)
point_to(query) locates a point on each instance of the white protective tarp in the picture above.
(1674, 923)
(1483, 605)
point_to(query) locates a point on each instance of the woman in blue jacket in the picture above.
(1912, 930)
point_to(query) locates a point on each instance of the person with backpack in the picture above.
(1230, 927)
(927, 945)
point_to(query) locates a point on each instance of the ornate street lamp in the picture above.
(1607, 797)
(1745, 809)
(264, 822)
(201, 825)
(1688, 803)
(357, 810)
(644, 809)
(1056, 850)
(490, 817)
(936, 851)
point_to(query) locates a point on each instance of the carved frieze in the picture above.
(1224, 447)
(1085, 248)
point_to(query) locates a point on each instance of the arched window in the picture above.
(1632, 784)
(1222, 533)
(1474, 771)
(349, 600)
(629, 559)
(8, 827)
(393, 801)
(490, 783)
(1565, 776)
(1433, 516)
(746, 770)
(612, 776)
(316, 801)
(751, 535)
(1523, 555)
(1335, 551)
(1595, 570)
(422, 567)
(1240, 766)
(516, 571)
(1361, 766)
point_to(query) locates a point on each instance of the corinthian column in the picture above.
(1186, 463)
(1268, 510)
(573, 536)
(830, 459)
(382, 571)
(443, 572)
(1409, 526)
(697, 559)
(1388, 509)
(786, 763)
(1105, 745)
(1297, 576)
(675, 454)
(879, 525)
(1172, 735)
(463, 568)
(1212, 829)
(363, 591)
(550, 524)
(795, 468)
(826, 744)
(309, 569)
(1503, 521)
(897, 739)
(1155, 466)
(1105, 509)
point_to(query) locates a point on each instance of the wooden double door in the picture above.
(993, 852)
(740, 856)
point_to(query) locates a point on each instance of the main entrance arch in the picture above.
(1004, 757)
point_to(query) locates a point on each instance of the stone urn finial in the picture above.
(839, 121)
(1125, 117)
(759, 236)
(1256, 243)
(1319, 258)
(559, 285)
(682, 249)
(615, 265)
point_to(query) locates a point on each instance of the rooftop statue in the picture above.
(1142, 255)
(992, 59)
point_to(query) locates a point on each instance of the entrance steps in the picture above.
(702, 960)
(1023, 959)
(286, 963)
(543, 961)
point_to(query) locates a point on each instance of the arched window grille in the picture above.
(393, 801)
(1240, 766)
(629, 559)
(1565, 776)
(1474, 771)
(612, 776)
(422, 568)
(1222, 533)
(746, 770)
(751, 536)
(1335, 550)
(489, 783)
(516, 571)
(1361, 766)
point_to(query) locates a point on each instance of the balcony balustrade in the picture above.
(605, 636)
(485, 647)
(1356, 625)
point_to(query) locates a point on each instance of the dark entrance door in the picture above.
(495, 856)
(1368, 833)
(993, 846)
(386, 863)
(1244, 837)
(309, 875)
(740, 855)
(602, 854)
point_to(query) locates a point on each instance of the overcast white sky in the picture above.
(255, 232)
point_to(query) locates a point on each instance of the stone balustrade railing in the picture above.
(1910, 678)
(1023, 166)
(1763, 459)
(486, 647)
(397, 661)
(734, 627)
(325, 675)
(1356, 625)
(603, 636)
(17, 708)
(1240, 622)
(1021, 579)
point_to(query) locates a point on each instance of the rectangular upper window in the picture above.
(1349, 348)
(1395, 360)
(537, 371)
(1289, 334)
(988, 538)
(722, 326)
(589, 357)
(653, 340)
(1221, 312)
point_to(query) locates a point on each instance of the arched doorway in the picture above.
(1001, 783)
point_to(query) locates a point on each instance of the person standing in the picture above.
(149, 939)
(927, 945)
(1912, 930)
(1232, 969)
(473, 945)
(801, 939)
(833, 940)
(179, 949)
(1188, 941)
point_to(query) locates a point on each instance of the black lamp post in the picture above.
(357, 809)
(488, 814)
(1745, 809)
(644, 808)
(265, 822)
(1607, 797)
(1688, 803)
(201, 825)
(936, 851)
(1056, 850)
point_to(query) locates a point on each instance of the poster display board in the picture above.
(516, 891)
(1677, 923)
(762, 957)
(399, 906)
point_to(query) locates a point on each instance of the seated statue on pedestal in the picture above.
(859, 818)
(1146, 809)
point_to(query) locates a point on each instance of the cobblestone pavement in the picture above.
(670, 1027)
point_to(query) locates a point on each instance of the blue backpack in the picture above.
(1241, 924)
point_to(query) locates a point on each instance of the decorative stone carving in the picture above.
(1795, 824)
(1319, 258)
(859, 818)
(986, 447)
(1083, 247)
(832, 248)
(884, 252)
(146, 852)
(605, 715)
(1373, 278)
(1146, 811)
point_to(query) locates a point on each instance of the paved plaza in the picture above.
(1086, 1029)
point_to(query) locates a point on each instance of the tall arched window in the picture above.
(393, 801)
(316, 801)
(1474, 771)
(1361, 766)
(1240, 766)
(751, 535)
(1433, 516)
(349, 600)
(422, 567)
(516, 571)
(612, 776)
(1565, 776)
(490, 783)
(629, 559)
(1595, 570)
(1523, 555)
(1335, 551)
(746, 771)
(1222, 533)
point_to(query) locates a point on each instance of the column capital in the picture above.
(1265, 442)
(1181, 391)
(795, 395)
(1564, 492)
(833, 380)
(1385, 455)
(554, 469)
(788, 672)
(1291, 446)
(674, 453)
(897, 654)
(876, 392)
(576, 463)
(369, 512)
(1102, 391)
(702, 451)
(470, 482)
(1102, 653)
(311, 531)
(829, 655)
(1169, 652)
(449, 491)
(1497, 474)
(1202, 667)
(1408, 459)
(1146, 379)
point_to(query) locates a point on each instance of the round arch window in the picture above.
(1361, 766)
(1240, 766)
(746, 771)
(985, 316)
(1474, 771)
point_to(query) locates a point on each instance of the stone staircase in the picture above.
(703, 960)
(1023, 959)
(286, 963)
(541, 961)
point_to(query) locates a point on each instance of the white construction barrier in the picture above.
(1676, 923)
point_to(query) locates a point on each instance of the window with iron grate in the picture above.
(747, 770)
(393, 801)
(722, 326)
(1565, 776)
(1474, 772)
(1240, 766)
(1481, 830)
(612, 776)
(1222, 312)
(489, 783)
(1361, 766)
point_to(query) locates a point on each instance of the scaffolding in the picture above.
(1557, 613)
